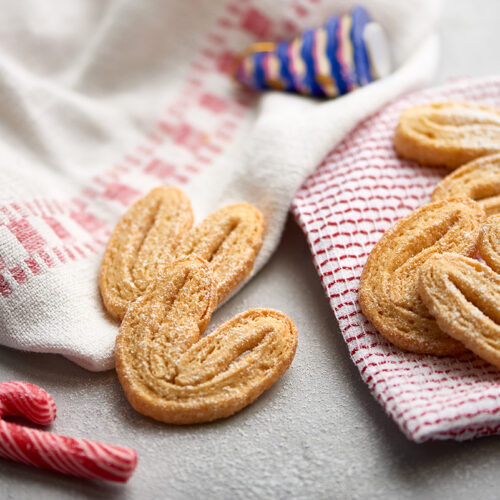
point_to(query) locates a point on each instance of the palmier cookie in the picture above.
(478, 179)
(489, 242)
(156, 230)
(463, 295)
(388, 293)
(143, 241)
(171, 374)
(447, 134)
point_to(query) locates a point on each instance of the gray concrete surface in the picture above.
(318, 433)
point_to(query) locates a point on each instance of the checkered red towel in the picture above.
(361, 189)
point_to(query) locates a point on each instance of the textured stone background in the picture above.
(317, 433)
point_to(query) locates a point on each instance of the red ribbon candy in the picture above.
(76, 457)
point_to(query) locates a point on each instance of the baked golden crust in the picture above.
(230, 239)
(464, 296)
(168, 373)
(478, 179)
(165, 279)
(447, 133)
(489, 242)
(388, 293)
(141, 245)
(156, 230)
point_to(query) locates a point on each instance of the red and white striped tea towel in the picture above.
(102, 101)
(361, 189)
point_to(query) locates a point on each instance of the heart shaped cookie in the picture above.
(389, 294)
(169, 372)
(156, 230)
(448, 133)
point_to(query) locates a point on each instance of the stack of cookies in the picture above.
(423, 287)
(163, 279)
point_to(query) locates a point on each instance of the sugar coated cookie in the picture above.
(478, 179)
(170, 373)
(388, 293)
(157, 230)
(464, 296)
(448, 134)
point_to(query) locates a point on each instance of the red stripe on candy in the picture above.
(77, 457)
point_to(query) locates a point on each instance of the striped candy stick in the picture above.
(76, 457)
(346, 53)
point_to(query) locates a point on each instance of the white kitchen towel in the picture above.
(103, 100)
(360, 190)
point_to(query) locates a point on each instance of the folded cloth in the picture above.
(361, 189)
(102, 101)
